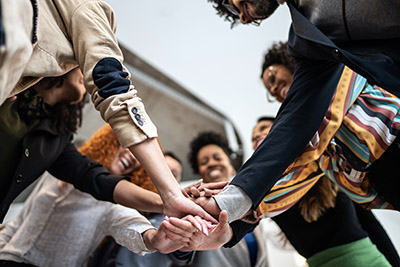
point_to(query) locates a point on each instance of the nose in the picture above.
(211, 163)
(274, 89)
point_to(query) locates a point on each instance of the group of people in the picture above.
(329, 155)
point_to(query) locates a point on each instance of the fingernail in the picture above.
(205, 231)
(166, 218)
(198, 226)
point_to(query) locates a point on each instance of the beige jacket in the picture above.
(81, 33)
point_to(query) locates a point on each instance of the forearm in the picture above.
(133, 196)
(150, 156)
(85, 175)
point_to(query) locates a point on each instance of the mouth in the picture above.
(259, 142)
(283, 92)
(215, 173)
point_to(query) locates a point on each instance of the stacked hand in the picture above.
(199, 231)
(219, 234)
(193, 232)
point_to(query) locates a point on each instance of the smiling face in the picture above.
(260, 131)
(277, 79)
(124, 162)
(254, 10)
(214, 164)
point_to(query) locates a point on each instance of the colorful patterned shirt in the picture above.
(361, 123)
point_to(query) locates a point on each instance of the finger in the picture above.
(208, 192)
(216, 185)
(176, 233)
(197, 183)
(204, 214)
(204, 227)
(195, 192)
(184, 227)
(178, 239)
(194, 223)
(185, 192)
(223, 217)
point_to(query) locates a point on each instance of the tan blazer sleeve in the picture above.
(91, 26)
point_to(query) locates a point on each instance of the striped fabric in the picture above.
(361, 123)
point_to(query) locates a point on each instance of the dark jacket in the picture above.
(45, 149)
(319, 65)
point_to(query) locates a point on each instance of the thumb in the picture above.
(223, 217)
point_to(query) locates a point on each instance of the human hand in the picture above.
(207, 190)
(208, 204)
(180, 206)
(186, 226)
(218, 236)
(161, 241)
(186, 190)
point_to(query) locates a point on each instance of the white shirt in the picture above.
(61, 227)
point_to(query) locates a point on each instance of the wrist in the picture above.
(148, 239)
(170, 196)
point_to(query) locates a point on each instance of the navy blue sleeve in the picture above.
(301, 114)
(239, 230)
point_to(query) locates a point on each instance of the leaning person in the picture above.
(322, 46)
(61, 226)
(36, 135)
(81, 33)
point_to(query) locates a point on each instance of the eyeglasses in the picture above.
(271, 74)
(231, 8)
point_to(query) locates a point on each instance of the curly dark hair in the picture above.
(203, 139)
(277, 54)
(67, 117)
(222, 11)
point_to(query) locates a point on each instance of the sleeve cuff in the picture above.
(235, 201)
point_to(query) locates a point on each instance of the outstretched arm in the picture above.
(176, 204)
(309, 98)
